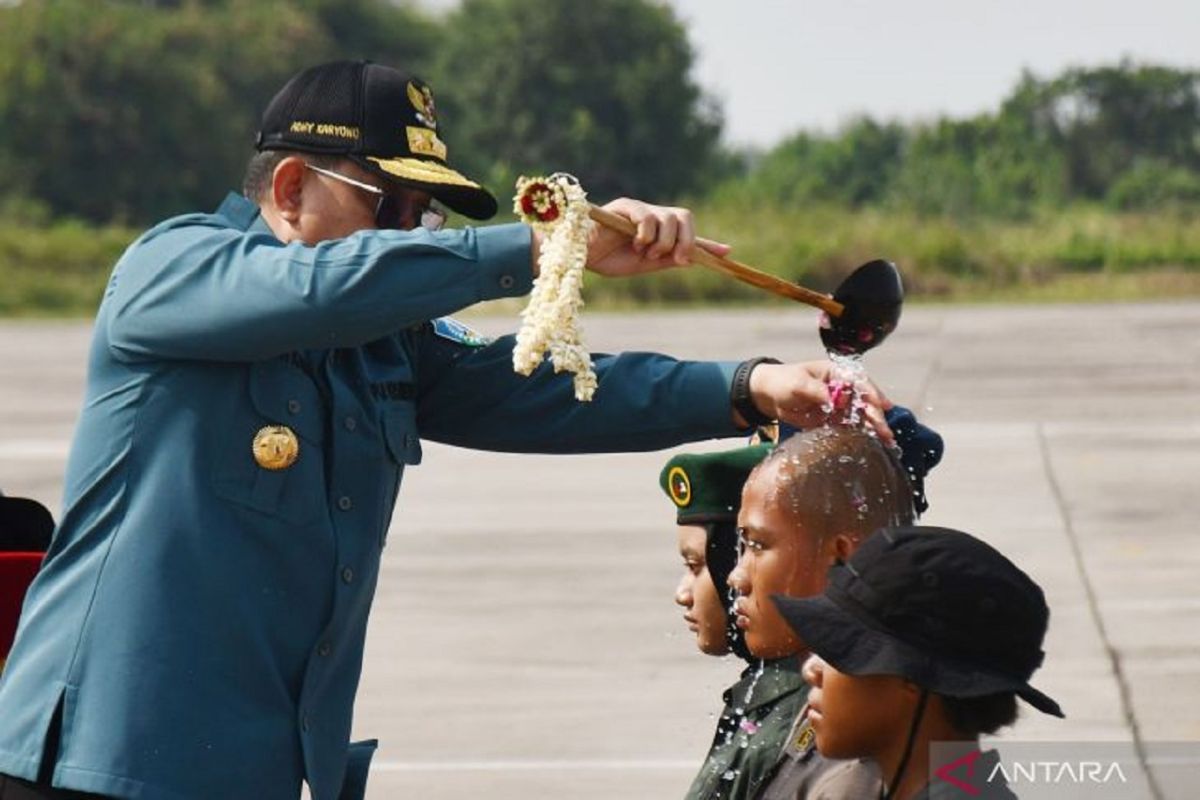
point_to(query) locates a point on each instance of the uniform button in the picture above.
(507, 282)
(325, 649)
(294, 406)
(347, 575)
(351, 423)
(345, 503)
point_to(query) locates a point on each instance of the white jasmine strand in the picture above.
(550, 322)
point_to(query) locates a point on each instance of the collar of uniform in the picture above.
(779, 678)
(240, 211)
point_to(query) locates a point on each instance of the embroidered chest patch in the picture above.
(455, 331)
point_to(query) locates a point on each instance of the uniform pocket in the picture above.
(280, 395)
(400, 432)
(403, 445)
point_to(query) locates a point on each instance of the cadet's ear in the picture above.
(844, 546)
(287, 188)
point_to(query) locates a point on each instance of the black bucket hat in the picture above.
(379, 117)
(935, 606)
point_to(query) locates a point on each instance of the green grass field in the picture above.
(1079, 254)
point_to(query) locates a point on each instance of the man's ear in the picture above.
(287, 188)
(844, 546)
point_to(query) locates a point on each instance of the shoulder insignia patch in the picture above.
(455, 331)
(804, 741)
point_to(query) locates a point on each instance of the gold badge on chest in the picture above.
(276, 447)
(804, 739)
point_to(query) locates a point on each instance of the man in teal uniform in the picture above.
(259, 379)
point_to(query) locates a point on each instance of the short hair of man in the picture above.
(841, 480)
(261, 168)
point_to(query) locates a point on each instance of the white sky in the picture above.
(780, 66)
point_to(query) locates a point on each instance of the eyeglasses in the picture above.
(391, 211)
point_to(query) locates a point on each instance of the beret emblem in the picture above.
(680, 486)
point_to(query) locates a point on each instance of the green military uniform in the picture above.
(759, 711)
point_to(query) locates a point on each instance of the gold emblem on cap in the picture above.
(425, 142)
(680, 486)
(276, 447)
(422, 99)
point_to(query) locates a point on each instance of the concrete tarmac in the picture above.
(524, 642)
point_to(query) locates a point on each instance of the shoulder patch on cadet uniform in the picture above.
(803, 741)
(455, 331)
(805, 738)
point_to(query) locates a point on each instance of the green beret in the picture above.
(707, 487)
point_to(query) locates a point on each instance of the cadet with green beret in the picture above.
(259, 380)
(706, 489)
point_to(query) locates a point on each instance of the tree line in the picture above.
(1126, 136)
(129, 111)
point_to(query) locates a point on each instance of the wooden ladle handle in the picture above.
(735, 269)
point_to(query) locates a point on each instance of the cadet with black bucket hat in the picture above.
(925, 635)
(259, 379)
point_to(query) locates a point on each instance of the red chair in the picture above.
(25, 530)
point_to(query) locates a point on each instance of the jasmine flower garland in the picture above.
(558, 207)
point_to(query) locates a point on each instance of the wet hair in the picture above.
(975, 716)
(841, 480)
(261, 168)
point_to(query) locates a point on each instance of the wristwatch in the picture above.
(739, 392)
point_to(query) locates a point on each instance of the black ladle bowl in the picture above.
(871, 297)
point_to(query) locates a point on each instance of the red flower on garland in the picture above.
(539, 201)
